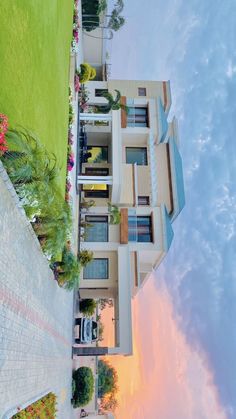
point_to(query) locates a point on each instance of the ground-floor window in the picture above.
(96, 269)
(97, 230)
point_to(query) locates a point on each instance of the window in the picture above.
(137, 116)
(136, 155)
(97, 230)
(99, 92)
(143, 200)
(142, 91)
(96, 269)
(140, 229)
(99, 154)
(92, 190)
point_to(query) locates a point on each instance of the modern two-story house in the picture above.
(133, 161)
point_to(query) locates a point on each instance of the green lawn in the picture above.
(35, 38)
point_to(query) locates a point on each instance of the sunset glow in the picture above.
(164, 378)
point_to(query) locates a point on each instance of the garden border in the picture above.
(15, 410)
(16, 200)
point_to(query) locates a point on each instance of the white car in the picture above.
(86, 330)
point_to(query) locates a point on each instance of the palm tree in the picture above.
(113, 103)
(28, 161)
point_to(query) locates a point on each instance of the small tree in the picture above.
(106, 302)
(85, 256)
(83, 386)
(86, 73)
(88, 306)
(107, 378)
(108, 403)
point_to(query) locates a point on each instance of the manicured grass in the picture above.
(34, 70)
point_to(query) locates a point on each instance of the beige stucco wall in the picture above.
(163, 190)
(127, 187)
(129, 88)
(144, 180)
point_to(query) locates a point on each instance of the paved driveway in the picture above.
(35, 316)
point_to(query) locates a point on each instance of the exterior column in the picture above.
(90, 351)
(95, 180)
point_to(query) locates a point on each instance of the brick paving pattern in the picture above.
(35, 315)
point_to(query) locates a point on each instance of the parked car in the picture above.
(86, 330)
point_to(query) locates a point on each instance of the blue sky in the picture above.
(192, 43)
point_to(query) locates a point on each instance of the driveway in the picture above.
(35, 315)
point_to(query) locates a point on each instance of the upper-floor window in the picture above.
(136, 155)
(140, 229)
(99, 92)
(96, 269)
(137, 116)
(143, 200)
(142, 91)
(97, 228)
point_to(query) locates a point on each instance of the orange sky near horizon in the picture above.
(164, 378)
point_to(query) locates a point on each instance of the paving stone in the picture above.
(35, 315)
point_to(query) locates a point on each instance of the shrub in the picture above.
(44, 408)
(68, 270)
(85, 256)
(88, 306)
(32, 170)
(84, 386)
(107, 378)
(87, 72)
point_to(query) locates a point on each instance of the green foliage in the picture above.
(114, 212)
(68, 270)
(33, 172)
(100, 331)
(102, 6)
(44, 408)
(107, 378)
(85, 256)
(114, 104)
(84, 386)
(86, 73)
(88, 306)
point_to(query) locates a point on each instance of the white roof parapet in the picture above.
(153, 168)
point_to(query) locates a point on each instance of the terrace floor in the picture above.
(35, 315)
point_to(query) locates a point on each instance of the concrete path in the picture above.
(35, 315)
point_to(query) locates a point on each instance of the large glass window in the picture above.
(97, 230)
(140, 229)
(92, 190)
(96, 269)
(137, 116)
(136, 155)
(143, 200)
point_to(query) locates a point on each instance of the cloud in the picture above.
(193, 44)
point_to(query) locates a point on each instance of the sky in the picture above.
(184, 319)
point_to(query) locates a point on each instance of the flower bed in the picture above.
(3, 130)
(76, 26)
(45, 408)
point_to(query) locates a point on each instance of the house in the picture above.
(133, 161)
